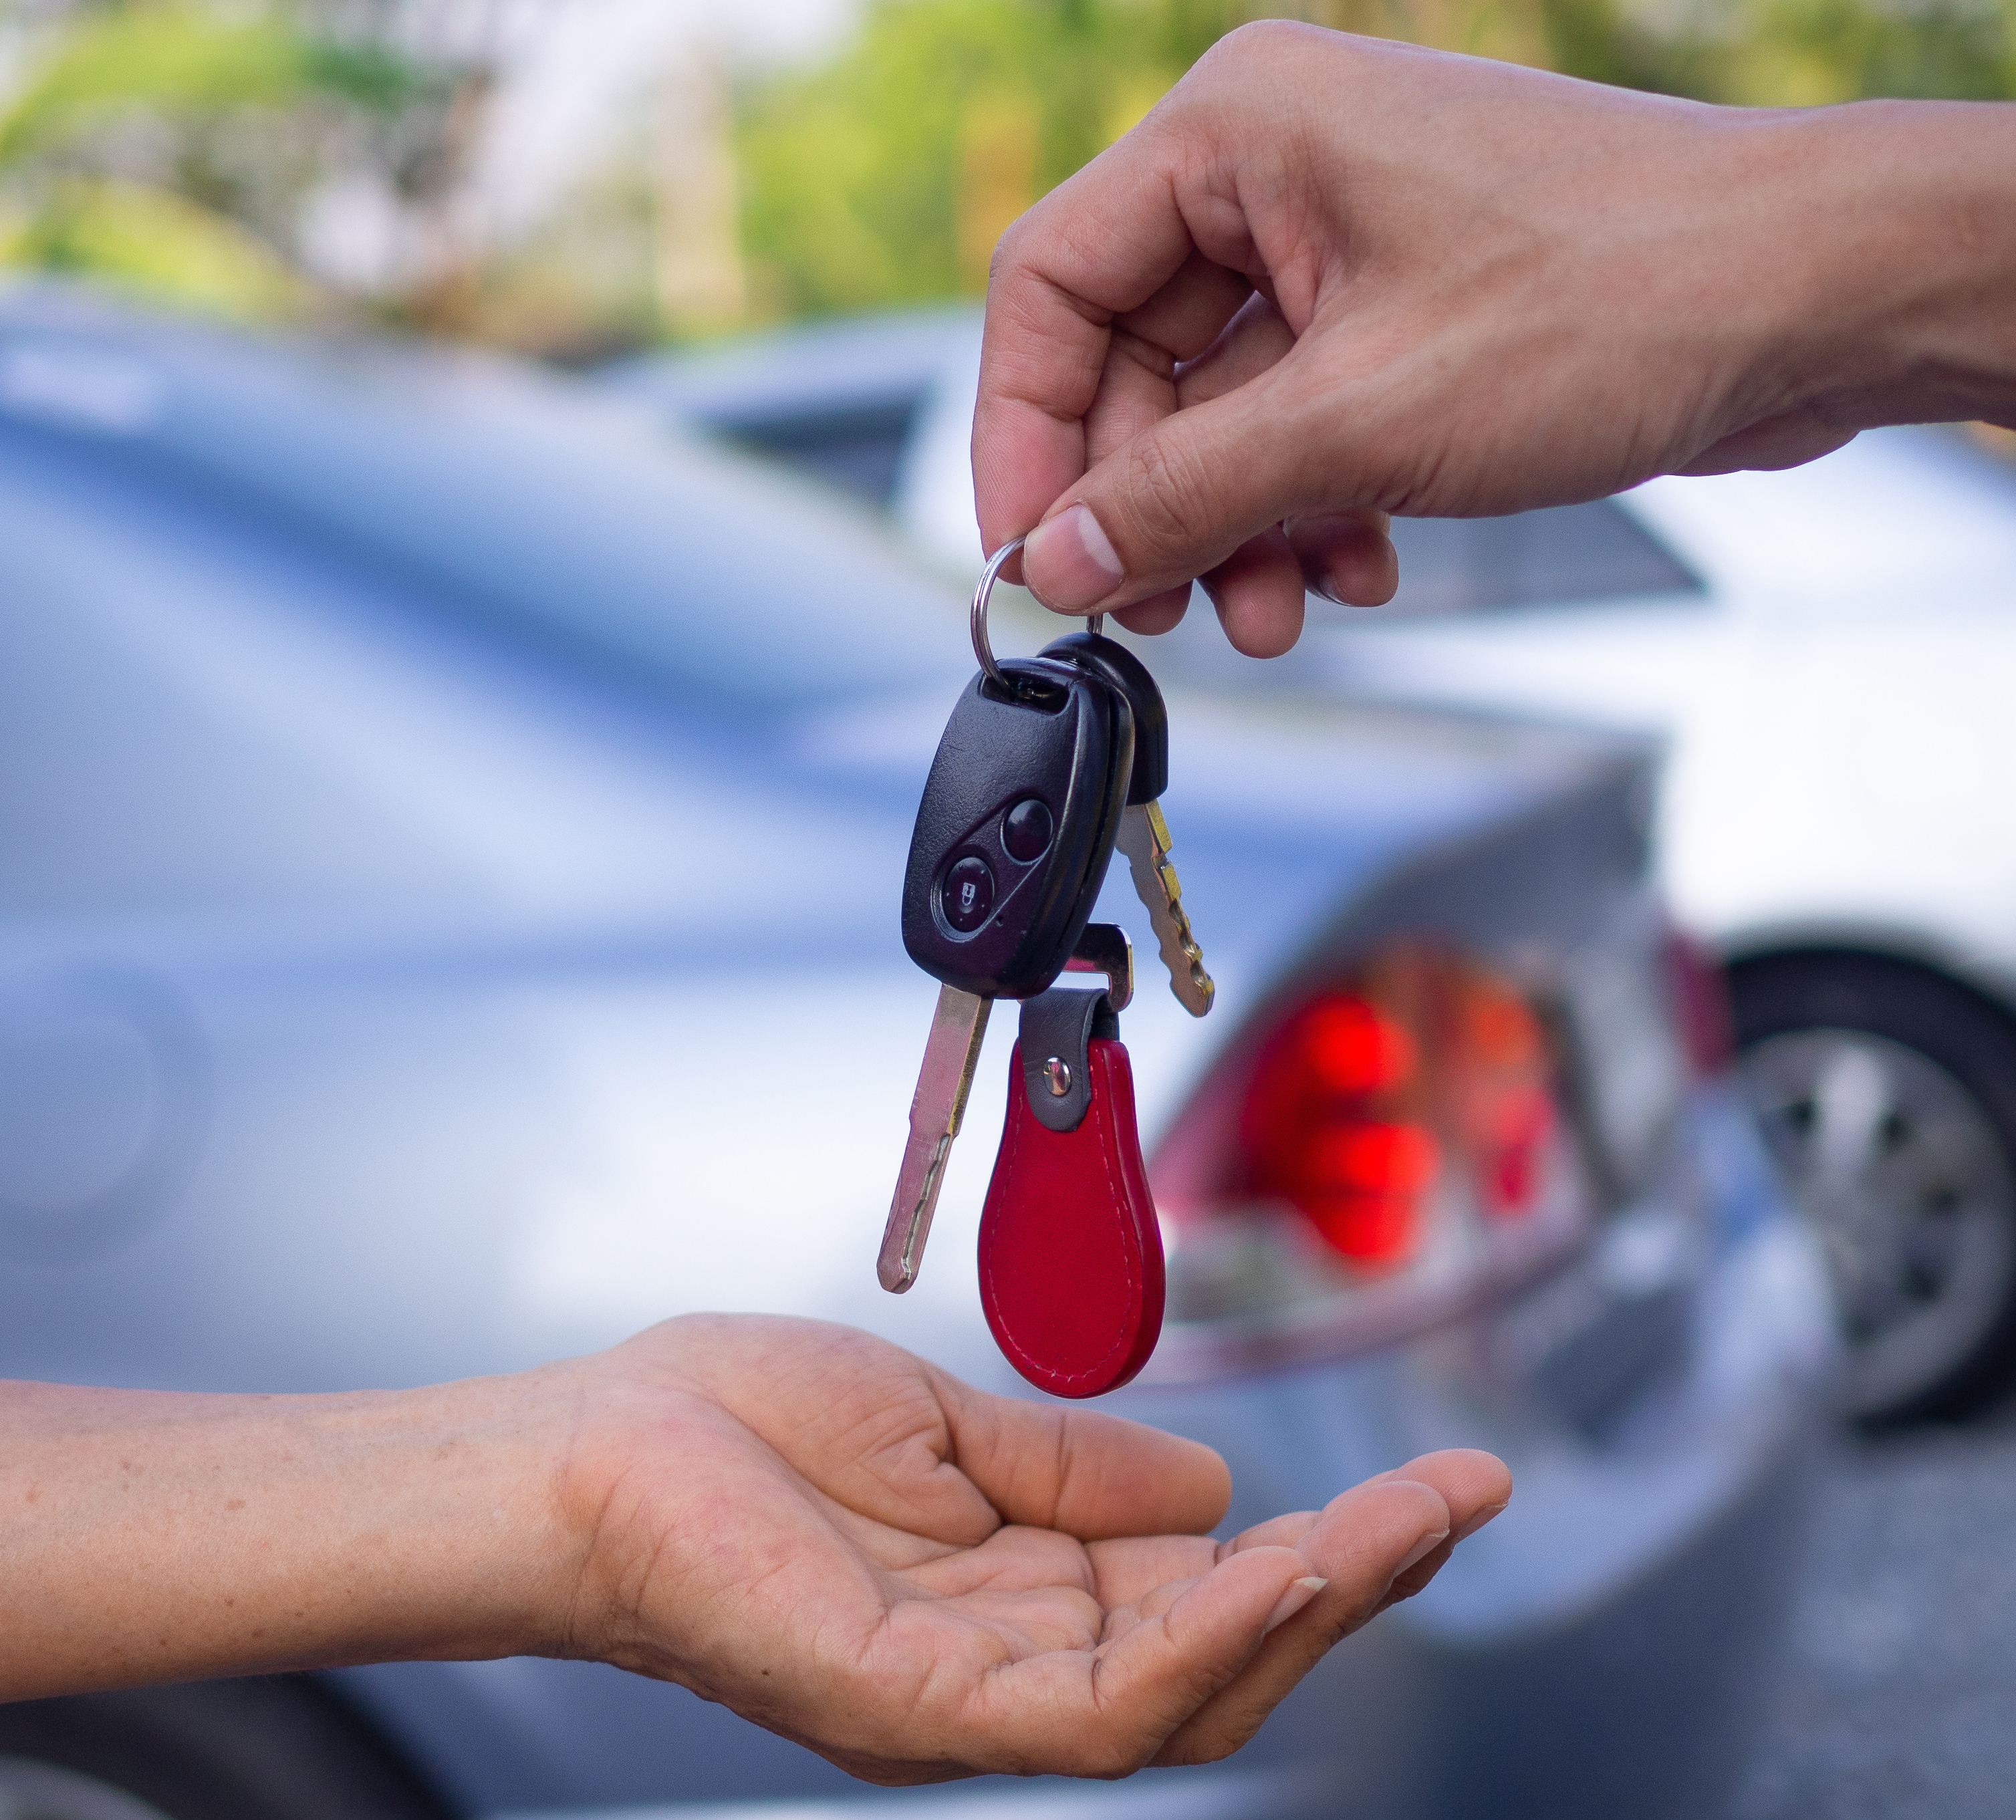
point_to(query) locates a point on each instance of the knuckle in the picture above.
(1167, 491)
(1259, 40)
(1007, 254)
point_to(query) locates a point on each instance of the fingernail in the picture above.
(1327, 589)
(1069, 562)
(1299, 1593)
(1426, 1546)
(1478, 1521)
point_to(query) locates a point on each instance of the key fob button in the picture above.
(1026, 828)
(966, 894)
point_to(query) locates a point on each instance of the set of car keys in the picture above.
(1046, 764)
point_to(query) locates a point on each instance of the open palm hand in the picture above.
(921, 1580)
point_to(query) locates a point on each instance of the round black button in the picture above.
(1025, 829)
(966, 893)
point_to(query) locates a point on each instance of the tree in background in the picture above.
(170, 147)
(237, 154)
(885, 175)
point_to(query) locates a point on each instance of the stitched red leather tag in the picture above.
(1071, 1256)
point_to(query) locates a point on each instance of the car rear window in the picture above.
(1556, 556)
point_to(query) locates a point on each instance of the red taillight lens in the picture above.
(1325, 1128)
(1371, 1181)
(1426, 1075)
(1500, 1079)
(1352, 1047)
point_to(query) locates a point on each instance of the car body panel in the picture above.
(472, 996)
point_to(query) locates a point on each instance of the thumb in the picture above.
(1175, 501)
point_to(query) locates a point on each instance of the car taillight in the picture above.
(1360, 1093)
(1401, 1120)
(1328, 1125)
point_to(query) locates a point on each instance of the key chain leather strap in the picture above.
(1071, 1256)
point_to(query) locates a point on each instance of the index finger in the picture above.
(1100, 244)
(1082, 1471)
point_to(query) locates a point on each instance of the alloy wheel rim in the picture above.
(1905, 1179)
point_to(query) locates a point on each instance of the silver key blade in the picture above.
(938, 1108)
(1144, 838)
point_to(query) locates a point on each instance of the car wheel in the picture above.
(1887, 1094)
(275, 1749)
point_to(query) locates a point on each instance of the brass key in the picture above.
(1144, 838)
(1144, 835)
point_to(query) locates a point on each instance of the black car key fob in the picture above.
(1019, 818)
(1144, 835)
(1120, 669)
(1024, 803)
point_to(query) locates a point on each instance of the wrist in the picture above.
(1897, 251)
(483, 1554)
(162, 1537)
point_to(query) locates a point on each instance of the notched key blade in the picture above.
(938, 1108)
(1144, 838)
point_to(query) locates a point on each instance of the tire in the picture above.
(1887, 1093)
(277, 1748)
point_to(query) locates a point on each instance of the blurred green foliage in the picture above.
(175, 144)
(884, 175)
(166, 146)
(1794, 53)
(887, 175)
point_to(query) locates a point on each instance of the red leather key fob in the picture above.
(1071, 1256)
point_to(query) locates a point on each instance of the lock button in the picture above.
(966, 896)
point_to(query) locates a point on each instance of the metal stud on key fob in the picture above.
(1144, 835)
(1018, 822)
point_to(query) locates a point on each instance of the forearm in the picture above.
(1912, 297)
(149, 1537)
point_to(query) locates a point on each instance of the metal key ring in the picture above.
(982, 594)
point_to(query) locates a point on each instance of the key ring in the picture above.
(982, 594)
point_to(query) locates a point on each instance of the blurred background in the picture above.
(734, 214)
(575, 179)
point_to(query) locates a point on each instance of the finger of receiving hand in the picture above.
(1476, 1486)
(1277, 1532)
(1363, 1540)
(1257, 591)
(1108, 1713)
(1357, 1538)
(1347, 557)
(1082, 1471)
(1126, 1569)
(1183, 1650)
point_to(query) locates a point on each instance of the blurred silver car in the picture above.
(1827, 652)
(452, 839)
